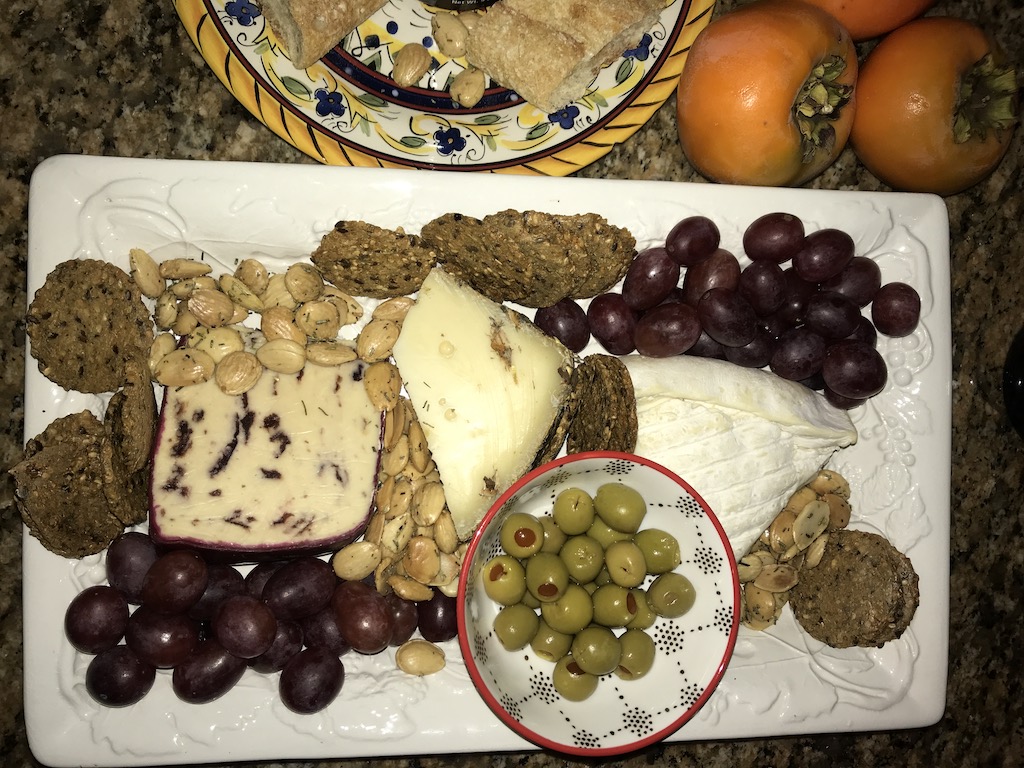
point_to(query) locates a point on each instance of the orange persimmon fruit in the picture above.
(766, 96)
(866, 19)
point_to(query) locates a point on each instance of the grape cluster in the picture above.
(205, 621)
(798, 307)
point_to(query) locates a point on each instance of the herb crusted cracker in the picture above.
(85, 323)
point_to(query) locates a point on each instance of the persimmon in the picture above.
(936, 106)
(866, 19)
(767, 94)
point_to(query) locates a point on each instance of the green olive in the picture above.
(671, 595)
(621, 507)
(626, 564)
(550, 644)
(605, 535)
(554, 537)
(570, 613)
(614, 606)
(645, 615)
(573, 511)
(546, 576)
(583, 557)
(660, 548)
(637, 654)
(596, 649)
(515, 626)
(571, 682)
(521, 535)
(504, 579)
(530, 601)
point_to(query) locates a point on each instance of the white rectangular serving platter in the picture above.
(779, 682)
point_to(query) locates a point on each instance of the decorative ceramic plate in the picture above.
(779, 682)
(346, 109)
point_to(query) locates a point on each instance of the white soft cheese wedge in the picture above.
(487, 385)
(289, 466)
(744, 439)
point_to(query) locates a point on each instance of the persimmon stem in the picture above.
(818, 104)
(987, 101)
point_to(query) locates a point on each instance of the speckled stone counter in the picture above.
(122, 78)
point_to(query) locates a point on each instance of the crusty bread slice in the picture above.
(550, 52)
(308, 29)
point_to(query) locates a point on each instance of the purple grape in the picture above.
(757, 353)
(896, 309)
(719, 270)
(798, 291)
(437, 618)
(96, 619)
(311, 680)
(566, 321)
(798, 354)
(667, 330)
(727, 317)
(705, 346)
(773, 237)
(117, 677)
(692, 240)
(223, 581)
(763, 284)
(287, 642)
(159, 639)
(257, 578)
(405, 616)
(612, 323)
(824, 255)
(245, 626)
(300, 588)
(838, 401)
(364, 618)
(207, 674)
(322, 629)
(175, 582)
(832, 315)
(859, 281)
(854, 370)
(650, 279)
(129, 558)
(864, 331)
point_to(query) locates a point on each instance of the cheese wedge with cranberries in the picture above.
(487, 386)
(290, 466)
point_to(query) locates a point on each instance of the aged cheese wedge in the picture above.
(745, 439)
(487, 385)
(289, 466)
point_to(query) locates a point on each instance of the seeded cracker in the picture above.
(131, 416)
(602, 253)
(864, 592)
(86, 321)
(362, 259)
(62, 487)
(605, 418)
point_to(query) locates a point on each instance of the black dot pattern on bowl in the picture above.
(638, 721)
(689, 694)
(723, 619)
(619, 468)
(689, 507)
(670, 636)
(585, 739)
(708, 560)
(545, 689)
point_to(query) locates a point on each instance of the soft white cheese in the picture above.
(744, 439)
(486, 385)
(289, 465)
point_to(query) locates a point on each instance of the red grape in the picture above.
(287, 642)
(720, 270)
(118, 677)
(299, 588)
(757, 353)
(437, 619)
(831, 314)
(311, 680)
(798, 354)
(96, 619)
(823, 255)
(773, 237)
(364, 618)
(223, 582)
(727, 317)
(175, 582)
(692, 240)
(650, 278)
(245, 626)
(896, 309)
(859, 281)
(612, 323)
(161, 640)
(129, 558)
(763, 284)
(566, 321)
(853, 370)
(667, 330)
(207, 674)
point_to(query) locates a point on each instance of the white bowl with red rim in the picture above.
(692, 651)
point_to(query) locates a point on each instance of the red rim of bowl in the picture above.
(467, 654)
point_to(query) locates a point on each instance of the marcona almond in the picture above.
(377, 339)
(282, 355)
(186, 287)
(212, 308)
(277, 294)
(400, 500)
(318, 319)
(394, 461)
(419, 454)
(216, 342)
(428, 503)
(394, 426)
(397, 533)
(445, 533)
(422, 559)
(394, 309)
(165, 312)
(146, 273)
(240, 293)
(180, 269)
(411, 63)
(419, 657)
(383, 385)
(238, 372)
(467, 87)
(279, 323)
(304, 282)
(356, 561)
(162, 345)
(349, 310)
(253, 274)
(450, 34)
(183, 367)
(409, 589)
(185, 322)
(328, 353)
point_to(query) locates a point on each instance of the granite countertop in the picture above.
(123, 79)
